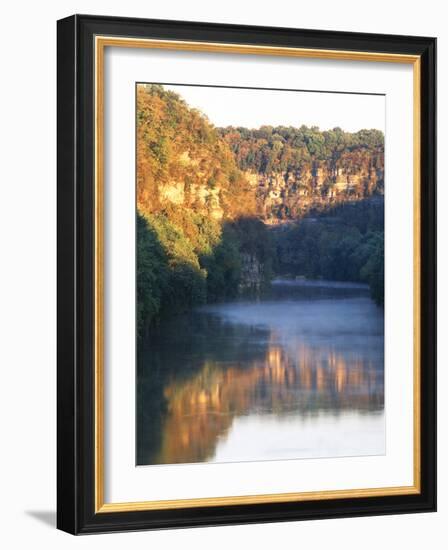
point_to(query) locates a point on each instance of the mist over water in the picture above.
(297, 374)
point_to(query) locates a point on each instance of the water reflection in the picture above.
(296, 375)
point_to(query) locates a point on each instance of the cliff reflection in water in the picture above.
(297, 375)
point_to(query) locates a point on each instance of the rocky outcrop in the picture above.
(275, 174)
(281, 196)
(252, 273)
(294, 170)
(182, 162)
(289, 195)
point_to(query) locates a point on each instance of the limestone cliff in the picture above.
(295, 170)
(183, 163)
(276, 174)
(290, 195)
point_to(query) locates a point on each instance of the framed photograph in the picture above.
(246, 274)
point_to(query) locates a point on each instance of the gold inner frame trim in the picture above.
(101, 42)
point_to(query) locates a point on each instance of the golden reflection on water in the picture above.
(298, 382)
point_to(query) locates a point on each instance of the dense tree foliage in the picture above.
(282, 149)
(152, 271)
(297, 169)
(199, 233)
(344, 244)
(178, 268)
(182, 159)
(195, 209)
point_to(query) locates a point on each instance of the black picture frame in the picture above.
(76, 512)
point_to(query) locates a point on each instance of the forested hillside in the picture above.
(295, 170)
(346, 243)
(181, 160)
(198, 235)
(206, 199)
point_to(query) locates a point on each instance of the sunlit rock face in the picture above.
(295, 170)
(291, 195)
(233, 365)
(184, 162)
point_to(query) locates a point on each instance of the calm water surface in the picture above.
(297, 374)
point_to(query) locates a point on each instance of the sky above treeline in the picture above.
(257, 107)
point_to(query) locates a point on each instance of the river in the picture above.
(296, 374)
